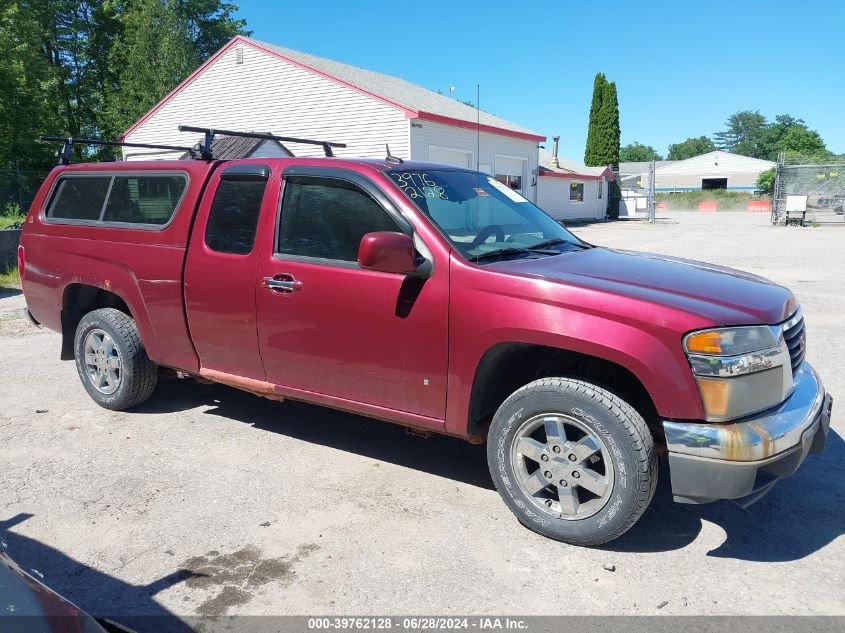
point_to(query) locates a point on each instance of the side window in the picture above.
(79, 198)
(132, 199)
(144, 199)
(327, 218)
(233, 218)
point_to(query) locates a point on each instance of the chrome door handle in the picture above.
(283, 283)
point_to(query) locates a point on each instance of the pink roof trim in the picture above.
(438, 118)
(409, 112)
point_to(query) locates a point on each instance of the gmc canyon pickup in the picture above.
(439, 299)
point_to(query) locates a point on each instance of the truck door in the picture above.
(221, 266)
(328, 327)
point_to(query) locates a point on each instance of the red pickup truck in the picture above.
(439, 299)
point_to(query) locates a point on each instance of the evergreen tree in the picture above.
(161, 43)
(744, 134)
(593, 128)
(603, 133)
(610, 122)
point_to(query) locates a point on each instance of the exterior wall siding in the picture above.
(427, 134)
(268, 94)
(553, 198)
(682, 182)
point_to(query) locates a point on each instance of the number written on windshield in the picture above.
(418, 185)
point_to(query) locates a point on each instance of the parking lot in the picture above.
(209, 501)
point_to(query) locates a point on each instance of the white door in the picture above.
(449, 156)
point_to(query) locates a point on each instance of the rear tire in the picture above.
(572, 461)
(111, 360)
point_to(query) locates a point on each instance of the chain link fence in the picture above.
(17, 189)
(809, 192)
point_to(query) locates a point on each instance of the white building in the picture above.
(253, 86)
(713, 170)
(569, 190)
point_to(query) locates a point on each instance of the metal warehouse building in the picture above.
(714, 170)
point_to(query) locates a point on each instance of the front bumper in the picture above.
(743, 460)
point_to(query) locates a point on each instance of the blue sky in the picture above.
(681, 68)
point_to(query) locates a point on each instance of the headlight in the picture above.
(740, 370)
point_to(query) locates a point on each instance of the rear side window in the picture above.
(142, 199)
(327, 218)
(79, 199)
(233, 218)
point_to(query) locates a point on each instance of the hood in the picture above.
(722, 295)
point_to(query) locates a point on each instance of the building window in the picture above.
(576, 192)
(601, 186)
(327, 218)
(514, 182)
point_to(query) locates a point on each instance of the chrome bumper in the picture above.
(744, 459)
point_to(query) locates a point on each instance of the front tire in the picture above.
(572, 461)
(111, 360)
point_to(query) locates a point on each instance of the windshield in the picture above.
(483, 218)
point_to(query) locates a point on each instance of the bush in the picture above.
(688, 200)
(9, 220)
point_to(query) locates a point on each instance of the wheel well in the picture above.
(79, 300)
(506, 367)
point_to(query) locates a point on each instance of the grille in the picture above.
(796, 340)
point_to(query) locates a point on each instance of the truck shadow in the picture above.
(801, 515)
(444, 456)
(95, 592)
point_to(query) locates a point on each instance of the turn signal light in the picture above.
(709, 342)
(714, 396)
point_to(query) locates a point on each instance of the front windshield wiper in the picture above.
(555, 242)
(499, 252)
(505, 252)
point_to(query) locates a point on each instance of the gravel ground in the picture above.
(208, 501)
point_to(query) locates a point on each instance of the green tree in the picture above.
(603, 132)
(792, 136)
(55, 50)
(766, 181)
(594, 134)
(690, 147)
(161, 42)
(610, 120)
(744, 134)
(637, 152)
(26, 88)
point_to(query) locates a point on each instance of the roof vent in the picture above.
(239, 55)
(555, 162)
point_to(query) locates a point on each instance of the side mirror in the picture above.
(387, 252)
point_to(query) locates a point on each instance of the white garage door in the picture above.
(511, 171)
(449, 156)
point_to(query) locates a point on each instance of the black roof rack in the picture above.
(64, 153)
(205, 151)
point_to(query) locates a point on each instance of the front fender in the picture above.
(645, 340)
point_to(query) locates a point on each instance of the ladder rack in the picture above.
(69, 142)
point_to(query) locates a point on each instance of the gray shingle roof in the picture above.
(395, 89)
(568, 165)
(234, 147)
(642, 167)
